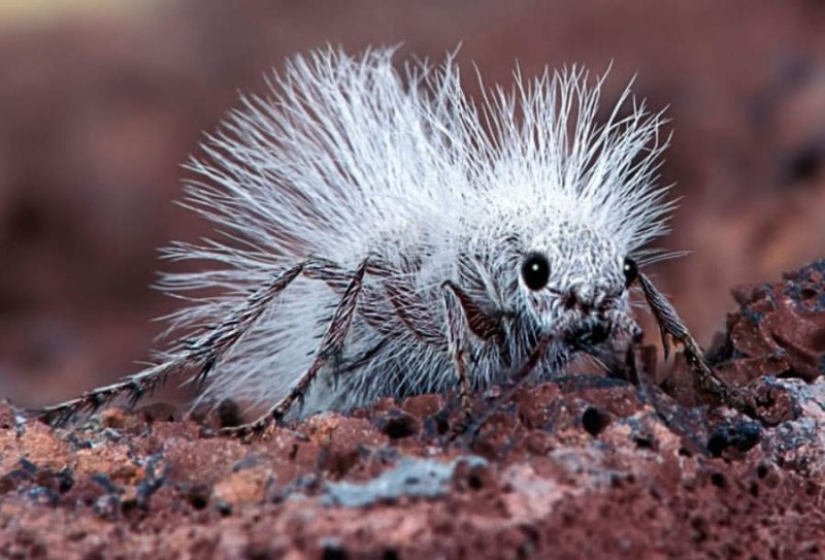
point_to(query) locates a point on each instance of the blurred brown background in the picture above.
(101, 103)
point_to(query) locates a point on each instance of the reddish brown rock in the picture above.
(583, 467)
(97, 116)
(779, 329)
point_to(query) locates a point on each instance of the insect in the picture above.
(380, 233)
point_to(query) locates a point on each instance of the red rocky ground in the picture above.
(584, 467)
(97, 114)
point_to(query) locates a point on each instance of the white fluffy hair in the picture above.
(380, 233)
(349, 157)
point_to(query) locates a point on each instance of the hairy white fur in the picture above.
(349, 157)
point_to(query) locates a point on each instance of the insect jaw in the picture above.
(603, 337)
(584, 322)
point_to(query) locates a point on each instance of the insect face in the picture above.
(579, 296)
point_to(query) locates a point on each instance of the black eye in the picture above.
(535, 271)
(631, 271)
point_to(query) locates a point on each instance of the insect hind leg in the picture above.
(200, 353)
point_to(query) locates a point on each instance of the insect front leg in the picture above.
(457, 344)
(518, 377)
(465, 319)
(671, 326)
(331, 346)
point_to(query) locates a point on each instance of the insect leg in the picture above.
(672, 327)
(457, 327)
(135, 386)
(465, 317)
(519, 377)
(202, 352)
(331, 345)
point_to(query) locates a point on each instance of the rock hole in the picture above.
(475, 481)
(594, 421)
(334, 552)
(128, 506)
(397, 424)
(198, 496)
(391, 554)
(645, 441)
(742, 437)
(224, 508)
(719, 480)
(439, 423)
(65, 480)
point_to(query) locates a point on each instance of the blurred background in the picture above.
(102, 100)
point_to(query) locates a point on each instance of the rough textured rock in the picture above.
(98, 114)
(583, 467)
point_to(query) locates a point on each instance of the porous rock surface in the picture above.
(583, 467)
(98, 113)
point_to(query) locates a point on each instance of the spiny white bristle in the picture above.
(349, 157)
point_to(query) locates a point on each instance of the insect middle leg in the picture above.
(463, 324)
(331, 346)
